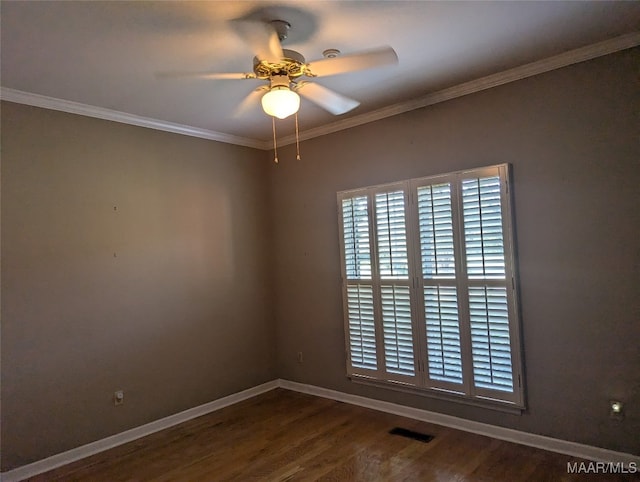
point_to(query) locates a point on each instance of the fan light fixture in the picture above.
(280, 102)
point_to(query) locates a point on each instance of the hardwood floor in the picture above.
(285, 436)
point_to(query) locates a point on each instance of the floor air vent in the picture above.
(403, 432)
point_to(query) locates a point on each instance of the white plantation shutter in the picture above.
(357, 251)
(362, 330)
(395, 295)
(436, 231)
(435, 220)
(483, 228)
(490, 341)
(398, 333)
(443, 334)
(360, 302)
(487, 283)
(429, 285)
(392, 237)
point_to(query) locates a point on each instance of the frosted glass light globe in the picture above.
(280, 102)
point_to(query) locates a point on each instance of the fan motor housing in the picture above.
(292, 64)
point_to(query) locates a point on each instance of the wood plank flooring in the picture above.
(286, 436)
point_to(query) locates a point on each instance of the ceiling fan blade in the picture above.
(249, 101)
(327, 99)
(205, 75)
(261, 37)
(350, 63)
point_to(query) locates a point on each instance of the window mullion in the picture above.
(415, 279)
(375, 280)
(462, 286)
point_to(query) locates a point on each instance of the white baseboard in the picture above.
(92, 448)
(539, 441)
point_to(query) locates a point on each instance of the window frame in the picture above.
(421, 382)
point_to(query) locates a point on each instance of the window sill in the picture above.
(501, 406)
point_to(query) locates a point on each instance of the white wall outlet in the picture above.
(616, 410)
(300, 358)
(118, 397)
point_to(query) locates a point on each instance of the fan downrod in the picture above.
(282, 28)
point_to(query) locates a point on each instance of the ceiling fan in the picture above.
(285, 69)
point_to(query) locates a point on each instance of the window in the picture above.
(429, 286)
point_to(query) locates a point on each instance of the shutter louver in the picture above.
(397, 329)
(490, 342)
(362, 332)
(357, 253)
(436, 231)
(443, 333)
(391, 235)
(483, 228)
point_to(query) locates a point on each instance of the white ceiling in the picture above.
(105, 54)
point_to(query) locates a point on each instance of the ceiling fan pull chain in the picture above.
(297, 140)
(275, 146)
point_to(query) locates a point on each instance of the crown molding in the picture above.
(37, 100)
(565, 59)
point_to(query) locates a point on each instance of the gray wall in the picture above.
(180, 316)
(572, 136)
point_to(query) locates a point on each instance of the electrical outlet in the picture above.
(118, 397)
(616, 410)
(300, 358)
